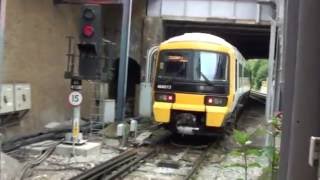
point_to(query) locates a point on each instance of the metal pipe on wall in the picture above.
(124, 56)
(270, 81)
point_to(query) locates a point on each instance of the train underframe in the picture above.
(194, 123)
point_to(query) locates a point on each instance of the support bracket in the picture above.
(87, 2)
(314, 151)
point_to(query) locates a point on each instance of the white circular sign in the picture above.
(75, 98)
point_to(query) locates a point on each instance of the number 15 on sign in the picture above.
(75, 98)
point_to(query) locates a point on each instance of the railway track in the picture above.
(116, 167)
(197, 164)
(181, 161)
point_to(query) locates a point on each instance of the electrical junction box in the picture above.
(6, 98)
(22, 96)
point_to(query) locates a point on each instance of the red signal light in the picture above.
(88, 30)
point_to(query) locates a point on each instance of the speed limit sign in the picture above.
(75, 98)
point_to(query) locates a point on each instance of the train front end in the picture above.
(193, 87)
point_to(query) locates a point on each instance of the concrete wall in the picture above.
(34, 52)
(153, 35)
(35, 48)
(112, 17)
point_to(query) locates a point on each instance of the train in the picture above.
(200, 84)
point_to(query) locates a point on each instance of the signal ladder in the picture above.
(96, 115)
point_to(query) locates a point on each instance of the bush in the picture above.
(259, 72)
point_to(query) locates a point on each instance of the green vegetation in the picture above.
(243, 139)
(259, 72)
(272, 151)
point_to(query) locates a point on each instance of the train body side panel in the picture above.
(161, 111)
(215, 116)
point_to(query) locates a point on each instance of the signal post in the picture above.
(89, 67)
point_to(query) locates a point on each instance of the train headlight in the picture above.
(163, 97)
(216, 101)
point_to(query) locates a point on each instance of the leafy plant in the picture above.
(271, 151)
(243, 139)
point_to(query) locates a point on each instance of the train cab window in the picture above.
(174, 64)
(193, 65)
(212, 66)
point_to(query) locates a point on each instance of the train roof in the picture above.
(200, 37)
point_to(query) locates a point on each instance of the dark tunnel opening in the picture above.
(133, 79)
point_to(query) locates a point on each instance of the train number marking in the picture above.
(160, 86)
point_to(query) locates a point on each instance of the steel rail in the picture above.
(197, 164)
(112, 168)
(100, 170)
(124, 170)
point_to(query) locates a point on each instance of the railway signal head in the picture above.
(90, 46)
(90, 24)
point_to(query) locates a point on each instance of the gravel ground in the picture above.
(222, 163)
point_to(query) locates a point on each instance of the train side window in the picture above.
(236, 74)
(246, 71)
(240, 75)
(247, 76)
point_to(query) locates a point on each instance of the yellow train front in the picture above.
(200, 84)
